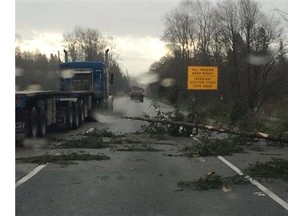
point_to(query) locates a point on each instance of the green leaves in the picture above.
(63, 159)
(275, 168)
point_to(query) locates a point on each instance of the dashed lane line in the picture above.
(30, 175)
(254, 182)
(39, 168)
(257, 184)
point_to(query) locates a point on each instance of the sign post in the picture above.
(202, 78)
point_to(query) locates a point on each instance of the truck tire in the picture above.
(76, 116)
(33, 123)
(69, 116)
(81, 113)
(42, 126)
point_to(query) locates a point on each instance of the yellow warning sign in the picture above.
(202, 77)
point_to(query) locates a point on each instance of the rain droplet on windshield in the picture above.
(258, 59)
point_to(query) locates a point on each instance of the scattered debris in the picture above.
(84, 142)
(275, 154)
(258, 149)
(173, 155)
(160, 125)
(99, 139)
(101, 133)
(64, 159)
(212, 181)
(58, 139)
(124, 140)
(134, 148)
(213, 147)
(275, 168)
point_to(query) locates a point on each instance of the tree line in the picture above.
(247, 45)
(35, 71)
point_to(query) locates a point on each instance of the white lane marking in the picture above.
(30, 175)
(230, 165)
(257, 184)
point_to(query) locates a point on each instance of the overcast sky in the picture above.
(135, 25)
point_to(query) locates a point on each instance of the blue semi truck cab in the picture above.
(86, 76)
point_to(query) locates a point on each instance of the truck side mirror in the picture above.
(111, 78)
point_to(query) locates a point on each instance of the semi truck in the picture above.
(83, 87)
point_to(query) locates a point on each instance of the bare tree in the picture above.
(72, 46)
(229, 28)
(205, 15)
(180, 31)
(85, 44)
(283, 14)
(234, 35)
(259, 33)
(247, 34)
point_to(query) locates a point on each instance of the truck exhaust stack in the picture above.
(106, 58)
(66, 55)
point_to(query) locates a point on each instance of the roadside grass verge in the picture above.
(64, 159)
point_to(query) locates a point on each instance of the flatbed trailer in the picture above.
(83, 87)
(37, 110)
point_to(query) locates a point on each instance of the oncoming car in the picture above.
(136, 93)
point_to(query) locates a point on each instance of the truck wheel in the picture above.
(76, 116)
(42, 127)
(69, 116)
(33, 125)
(81, 112)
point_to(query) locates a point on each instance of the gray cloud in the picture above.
(115, 18)
(132, 19)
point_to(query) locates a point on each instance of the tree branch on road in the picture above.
(256, 135)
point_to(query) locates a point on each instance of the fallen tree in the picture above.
(256, 135)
